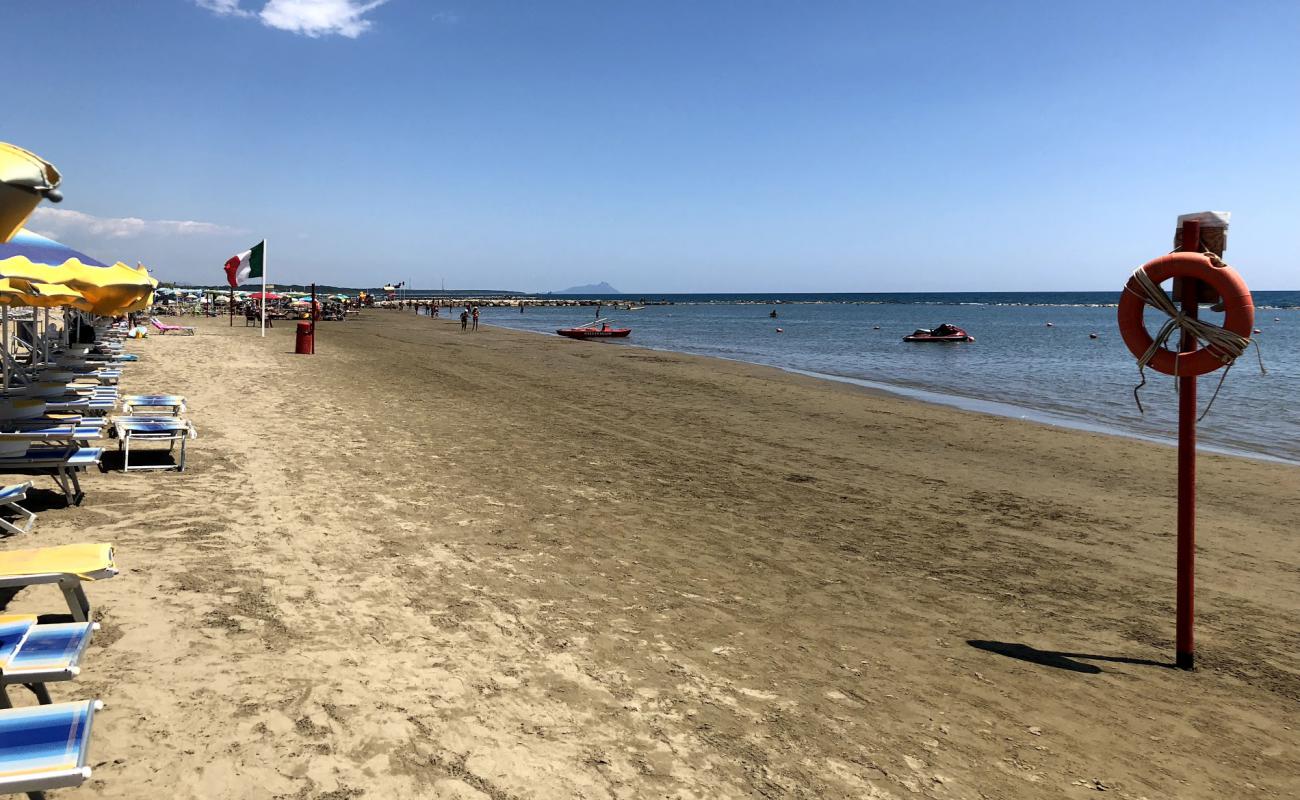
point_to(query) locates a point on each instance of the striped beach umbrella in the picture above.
(107, 289)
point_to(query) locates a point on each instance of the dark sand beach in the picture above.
(427, 564)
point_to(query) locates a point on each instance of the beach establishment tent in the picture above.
(107, 290)
(25, 179)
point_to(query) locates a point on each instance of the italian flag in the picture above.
(247, 266)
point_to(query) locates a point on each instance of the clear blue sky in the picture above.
(663, 146)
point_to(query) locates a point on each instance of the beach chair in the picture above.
(10, 497)
(60, 463)
(65, 565)
(32, 654)
(165, 328)
(134, 404)
(82, 405)
(45, 747)
(72, 431)
(152, 428)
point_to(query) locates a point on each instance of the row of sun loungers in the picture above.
(45, 747)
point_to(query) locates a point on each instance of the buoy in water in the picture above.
(876, 328)
(1050, 325)
(1092, 336)
(780, 330)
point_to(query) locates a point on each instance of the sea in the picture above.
(1033, 356)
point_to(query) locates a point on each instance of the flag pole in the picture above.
(263, 288)
(232, 306)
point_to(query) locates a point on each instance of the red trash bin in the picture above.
(304, 345)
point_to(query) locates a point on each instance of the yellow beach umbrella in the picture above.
(25, 178)
(106, 289)
(37, 294)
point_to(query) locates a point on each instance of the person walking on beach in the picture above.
(475, 317)
(464, 321)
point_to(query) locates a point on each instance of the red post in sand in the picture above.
(1188, 295)
(312, 312)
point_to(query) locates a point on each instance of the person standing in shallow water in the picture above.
(464, 321)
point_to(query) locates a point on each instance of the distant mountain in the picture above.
(601, 288)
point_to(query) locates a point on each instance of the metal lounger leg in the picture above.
(42, 694)
(29, 519)
(67, 479)
(78, 604)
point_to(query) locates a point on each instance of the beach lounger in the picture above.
(45, 747)
(55, 432)
(165, 328)
(60, 463)
(10, 497)
(65, 565)
(136, 403)
(32, 654)
(83, 405)
(152, 428)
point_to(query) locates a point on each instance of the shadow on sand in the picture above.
(1073, 662)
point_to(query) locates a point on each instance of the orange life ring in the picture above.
(1238, 308)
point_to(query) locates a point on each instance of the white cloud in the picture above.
(225, 8)
(60, 222)
(314, 18)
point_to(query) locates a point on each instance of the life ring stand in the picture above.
(1238, 307)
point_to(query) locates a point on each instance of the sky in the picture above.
(667, 146)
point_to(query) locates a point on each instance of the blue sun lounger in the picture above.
(83, 405)
(57, 432)
(60, 463)
(152, 428)
(33, 654)
(45, 747)
(135, 403)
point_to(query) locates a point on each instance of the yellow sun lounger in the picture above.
(67, 566)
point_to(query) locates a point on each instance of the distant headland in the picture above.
(590, 288)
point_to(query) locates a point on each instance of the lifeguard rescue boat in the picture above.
(943, 333)
(597, 330)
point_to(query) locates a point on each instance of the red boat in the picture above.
(943, 333)
(592, 332)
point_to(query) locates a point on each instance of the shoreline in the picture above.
(974, 405)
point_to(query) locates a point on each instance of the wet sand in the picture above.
(427, 564)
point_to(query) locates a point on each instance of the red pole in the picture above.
(1186, 591)
(312, 314)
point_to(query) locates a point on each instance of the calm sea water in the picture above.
(1018, 366)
